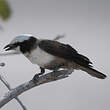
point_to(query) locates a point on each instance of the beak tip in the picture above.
(7, 47)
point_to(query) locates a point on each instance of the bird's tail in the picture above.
(93, 72)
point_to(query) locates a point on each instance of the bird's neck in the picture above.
(28, 45)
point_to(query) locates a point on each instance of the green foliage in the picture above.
(5, 10)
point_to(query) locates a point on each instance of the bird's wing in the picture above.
(64, 51)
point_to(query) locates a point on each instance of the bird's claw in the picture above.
(36, 78)
(54, 75)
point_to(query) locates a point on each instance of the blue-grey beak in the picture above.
(9, 47)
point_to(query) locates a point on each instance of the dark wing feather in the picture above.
(64, 51)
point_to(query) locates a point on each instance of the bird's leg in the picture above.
(36, 76)
(42, 71)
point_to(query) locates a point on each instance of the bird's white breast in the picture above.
(40, 57)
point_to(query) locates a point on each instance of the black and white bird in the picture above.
(52, 55)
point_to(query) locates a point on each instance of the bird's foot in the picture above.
(36, 78)
(54, 75)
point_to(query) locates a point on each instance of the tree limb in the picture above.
(9, 88)
(13, 93)
(49, 77)
(9, 53)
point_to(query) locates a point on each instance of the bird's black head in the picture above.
(22, 43)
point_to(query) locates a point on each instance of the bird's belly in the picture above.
(40, 57)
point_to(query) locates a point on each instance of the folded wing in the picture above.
(64, 51)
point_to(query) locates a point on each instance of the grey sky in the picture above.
(86, 24)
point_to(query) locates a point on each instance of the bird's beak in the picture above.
(9, 47)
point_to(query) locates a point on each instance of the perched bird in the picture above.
(52, 55)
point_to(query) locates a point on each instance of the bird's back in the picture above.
(64, 51)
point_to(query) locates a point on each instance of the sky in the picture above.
(86, 25)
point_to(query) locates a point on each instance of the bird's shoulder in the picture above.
(56, 48)
(64, 51)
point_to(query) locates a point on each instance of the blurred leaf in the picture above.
(5, 10)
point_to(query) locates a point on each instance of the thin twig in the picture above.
(9, 88)
(59, 37)
(9, 53)
(49, 77)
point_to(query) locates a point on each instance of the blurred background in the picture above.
(86, 24)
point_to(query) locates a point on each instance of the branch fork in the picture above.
(46, 78)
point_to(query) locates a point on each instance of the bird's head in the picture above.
(22, 43)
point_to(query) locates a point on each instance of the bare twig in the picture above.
(9, 53)
(9, 88)
(59, 37)
(49, 77)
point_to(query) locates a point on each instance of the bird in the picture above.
(51, 55)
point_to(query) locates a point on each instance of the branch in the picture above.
(49, 77)
(9, 53)
(9, 88)
(59, 37)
